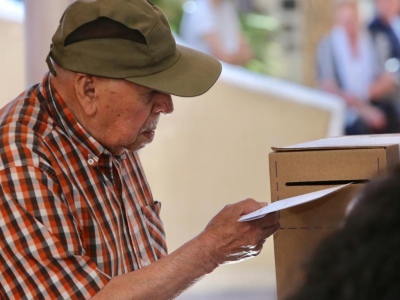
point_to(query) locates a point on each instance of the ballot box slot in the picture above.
(326, 182)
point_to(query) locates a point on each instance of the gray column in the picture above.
(41, 21)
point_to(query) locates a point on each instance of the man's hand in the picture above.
(224, 240)
(229, 240)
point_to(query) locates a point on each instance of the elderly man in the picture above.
(77, 218)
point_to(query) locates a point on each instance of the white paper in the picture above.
(290, 202)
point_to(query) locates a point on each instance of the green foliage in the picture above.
(261, 31)
(173, 10)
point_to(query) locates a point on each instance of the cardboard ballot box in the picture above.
(317, 165)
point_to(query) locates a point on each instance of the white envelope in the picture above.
(290, 202)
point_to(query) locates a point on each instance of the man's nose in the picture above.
(163, 104)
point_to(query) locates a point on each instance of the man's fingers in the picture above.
(267, 221)
(271, 219)
(271, 229)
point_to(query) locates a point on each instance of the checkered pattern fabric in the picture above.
(72, 216)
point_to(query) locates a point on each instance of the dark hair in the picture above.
(361, 260)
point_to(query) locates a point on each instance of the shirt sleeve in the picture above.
(41, 253)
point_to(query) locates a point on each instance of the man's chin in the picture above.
(141, 141)
(137, 147)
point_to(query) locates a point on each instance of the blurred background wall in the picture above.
(214, 149)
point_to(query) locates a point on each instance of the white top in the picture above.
(357, 73)
(201, 17)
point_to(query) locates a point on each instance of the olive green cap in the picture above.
(150, 57)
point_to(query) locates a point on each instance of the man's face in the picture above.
(127, 114)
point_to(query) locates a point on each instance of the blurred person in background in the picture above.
(361, 259)
(348, 66)
(385, 30)
(213, 26)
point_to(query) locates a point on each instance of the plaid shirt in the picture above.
(71, 215)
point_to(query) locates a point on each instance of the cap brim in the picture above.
(193, 74)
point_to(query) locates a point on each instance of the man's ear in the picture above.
(86, 93)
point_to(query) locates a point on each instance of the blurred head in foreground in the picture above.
(361, 260)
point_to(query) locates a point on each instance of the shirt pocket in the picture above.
(155, 228)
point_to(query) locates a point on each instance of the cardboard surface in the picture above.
(304, 168)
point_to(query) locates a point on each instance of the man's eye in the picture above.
(151, 94)
(146, 97)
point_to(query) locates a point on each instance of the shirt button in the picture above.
(91, 161)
